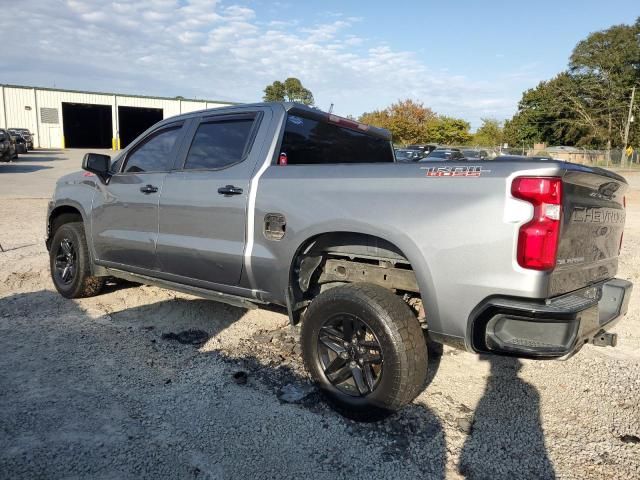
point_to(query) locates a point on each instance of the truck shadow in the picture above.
(79, 378)
(21, 168)
(40, 156)
(45, 150)
(507, 439)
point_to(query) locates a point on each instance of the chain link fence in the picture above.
(600, 158)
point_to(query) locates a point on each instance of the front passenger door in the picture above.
(125, 210)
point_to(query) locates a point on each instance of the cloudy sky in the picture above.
(468, 59)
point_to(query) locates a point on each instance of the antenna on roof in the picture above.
(331, 108)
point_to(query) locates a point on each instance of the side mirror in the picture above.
(97, 163)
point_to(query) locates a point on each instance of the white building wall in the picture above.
(21, 107)
(18, 108)
(215, 105)
(3, 112)
(51, 135)
(187, 106)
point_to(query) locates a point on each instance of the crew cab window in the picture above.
(219, 144)
(308, 142)
(154, 155)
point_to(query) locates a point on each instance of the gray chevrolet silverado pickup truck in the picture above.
(278, 203)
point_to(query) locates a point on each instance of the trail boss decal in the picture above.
(459, 171)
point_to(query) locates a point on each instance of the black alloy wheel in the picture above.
(70, 262)
(365, 349)
(350, 354)
(65, 261)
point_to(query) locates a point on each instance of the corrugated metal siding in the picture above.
(51, 136)
(19, 108)
(215, 105)
(2, 110)
(190, 106)
(47, 135)
(169, 107)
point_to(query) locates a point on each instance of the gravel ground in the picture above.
(104, 388)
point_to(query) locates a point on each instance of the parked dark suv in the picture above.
(25, 134)
(20, 143)
(7, 146)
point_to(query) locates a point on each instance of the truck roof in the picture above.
(300, 109)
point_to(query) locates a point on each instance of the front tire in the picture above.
(71, 264)
(365, 349)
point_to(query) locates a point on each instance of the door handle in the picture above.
(229, 190)
(148, 189)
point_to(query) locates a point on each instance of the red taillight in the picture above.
(538, 239)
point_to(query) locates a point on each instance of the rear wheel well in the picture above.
(338, 258)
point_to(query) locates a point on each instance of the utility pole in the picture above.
(626, 128)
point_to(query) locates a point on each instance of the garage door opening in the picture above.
(86, 125)
(135, 120)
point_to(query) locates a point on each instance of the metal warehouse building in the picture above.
(75, 119)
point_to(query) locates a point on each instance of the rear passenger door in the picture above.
(203, 209)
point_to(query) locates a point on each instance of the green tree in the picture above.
(587, 105)
(407, 120)
(608, 64)
(489, 134)
(291, 90)
(448, 131)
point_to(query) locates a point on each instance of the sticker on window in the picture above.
(295, 120)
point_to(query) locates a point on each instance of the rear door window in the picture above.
(219, 144)
(311, 142)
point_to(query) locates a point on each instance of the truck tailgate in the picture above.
(592, 224)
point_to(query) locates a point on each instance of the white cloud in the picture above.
(212, 50)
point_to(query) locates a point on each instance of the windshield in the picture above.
(403, 154)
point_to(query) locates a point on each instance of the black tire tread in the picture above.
(89, 285)
(406, 335)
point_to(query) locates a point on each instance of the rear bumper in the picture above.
(553, 328)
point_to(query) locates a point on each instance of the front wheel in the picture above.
(365, 349)
(70, 263)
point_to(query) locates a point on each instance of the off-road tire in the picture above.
(404, 349)
(83, 284)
